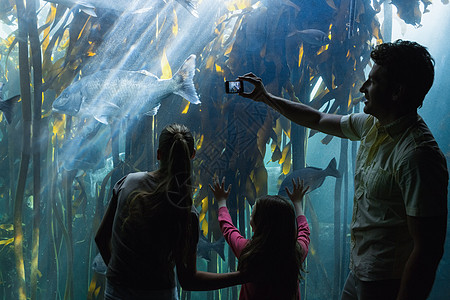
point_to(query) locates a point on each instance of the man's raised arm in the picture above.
(299, 113)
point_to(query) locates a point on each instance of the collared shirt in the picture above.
(400, 171)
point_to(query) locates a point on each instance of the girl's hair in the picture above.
(173, 193)
(273, 253)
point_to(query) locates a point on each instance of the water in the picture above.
(235, 136)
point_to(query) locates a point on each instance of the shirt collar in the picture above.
(399, 126)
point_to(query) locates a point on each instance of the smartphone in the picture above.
(232, 87)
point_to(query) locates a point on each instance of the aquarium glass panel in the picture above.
(87, 87)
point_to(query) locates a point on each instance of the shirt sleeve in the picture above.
(303, 235)
(232, 235)
(353, 125)
(423, 179)
(116, 196)
(119, 184)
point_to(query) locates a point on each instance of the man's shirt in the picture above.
(400, 171)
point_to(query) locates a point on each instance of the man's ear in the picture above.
(399, 93)
(193, 154)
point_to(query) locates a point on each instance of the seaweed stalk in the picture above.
(59, 219)
(345, 216)
(337, 220)
(37, 105)
(387, 23)
(53, 265)
(26, 115)
(68, 180)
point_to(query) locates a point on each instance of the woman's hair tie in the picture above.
(178, 136)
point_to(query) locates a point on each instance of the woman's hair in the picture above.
(173, 193)
(273, 253)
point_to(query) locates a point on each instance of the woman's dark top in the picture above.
(142, 251)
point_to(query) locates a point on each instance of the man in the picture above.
(400, 203)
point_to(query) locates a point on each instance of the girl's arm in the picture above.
(232, 235)
(298, 192)
(219, 191)
(303, 235)
(297, 195)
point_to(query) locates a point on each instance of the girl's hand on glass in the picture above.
(299, 190)
(220, 192)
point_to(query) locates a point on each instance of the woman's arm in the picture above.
(193, 280)
(104, 232)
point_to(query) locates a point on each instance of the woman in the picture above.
(150, 227)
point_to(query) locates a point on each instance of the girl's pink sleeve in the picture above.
(232, 235)
(303, 235)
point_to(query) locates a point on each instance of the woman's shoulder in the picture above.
(135, 182)
(139, 177)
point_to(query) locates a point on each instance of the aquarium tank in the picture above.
(63, 143)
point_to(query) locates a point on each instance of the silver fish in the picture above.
(111, 95)
(313, 37)
(311, 176)
(89, 6)
(7, 106)
(98, 265)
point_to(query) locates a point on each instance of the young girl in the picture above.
(150, 227)
(273, 256)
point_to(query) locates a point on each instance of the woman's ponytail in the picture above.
(179, 191)
(173, 193)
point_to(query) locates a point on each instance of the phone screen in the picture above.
(232, 87)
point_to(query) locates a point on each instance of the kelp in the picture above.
(26, 148)
(36, 137)
(409, 11)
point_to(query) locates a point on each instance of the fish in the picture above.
(313, 37)
(98, 265)
(7, 106)
(97, 176)
(89, 6)
(311, 176)
(111, 95)
(204, 247)
(190, 5)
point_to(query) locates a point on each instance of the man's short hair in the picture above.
(408, 64)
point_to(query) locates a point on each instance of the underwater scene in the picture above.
(87, 86)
